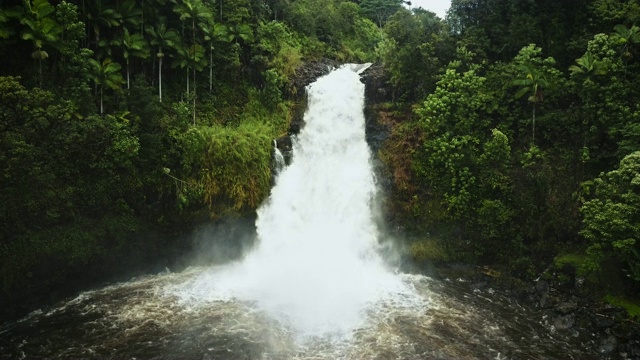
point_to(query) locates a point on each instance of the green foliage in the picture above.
(106, 74)
(78, 181)
(230, 167)
(576, 261)
(588, 67)
(66, 181)
(631, 306)
(475, 178)
(616, 12)
(612, 218)
(428, 251)
(41, 29)
(279, 50)
(334, 28)
(379, 11)
(465, 169)
(132, 45)
(415, 49)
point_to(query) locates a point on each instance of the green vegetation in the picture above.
(521, 144)
(133, 117)
(574, 260)
(428, 251)
(515, 125)
(632, 307)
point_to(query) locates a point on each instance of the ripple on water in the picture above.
(144, 318)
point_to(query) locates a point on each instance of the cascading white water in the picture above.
(278, 158)
(316, 264)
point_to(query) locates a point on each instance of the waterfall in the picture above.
(278, 158)
(317, 264)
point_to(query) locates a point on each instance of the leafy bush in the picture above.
(612, 218)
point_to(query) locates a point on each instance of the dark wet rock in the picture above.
(285, 145)
(545, 301)
(607, 345)
(602, 321)
(376, 89)
(633, 349)
(566, 307)
(310, 72)
(376, 132)
(542, 287)
(564, 322)
(297, 117)
(375, 92)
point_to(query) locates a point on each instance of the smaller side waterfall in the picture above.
(278, 158)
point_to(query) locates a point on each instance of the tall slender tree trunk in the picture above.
(40, 70)
(187, 81)
(210, 67)
(194, 96)
(128, 84)
(85, 38)
(534, 123)
(160, 78)
(101, 97)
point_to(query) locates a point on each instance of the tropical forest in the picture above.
(507, 135)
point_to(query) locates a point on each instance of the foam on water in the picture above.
(316, 265)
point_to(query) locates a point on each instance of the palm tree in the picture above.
(196, 62)
(235, 32)
(194, 10)
(532, 83)
(181, 60)
(100, 16)
(626, 37)
(130, 14)
(41, 28)
(106, 74)
(211, 33)
(589, 66)
(198, 13)
(188, 58)
(163, 38)
(132, 45)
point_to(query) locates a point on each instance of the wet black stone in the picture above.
(564, 322)
(542, 287)
(608, 345)
(602, 321)
(566, 307)
(545, 301)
